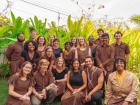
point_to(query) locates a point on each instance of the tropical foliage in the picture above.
(82, 27)
(135, 19)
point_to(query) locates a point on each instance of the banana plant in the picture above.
(135, 19)
(74, 27)
(60, 32)
(39, 26)
(9, 32)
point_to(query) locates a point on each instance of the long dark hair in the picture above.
(76, 44)
(53, 56)
(44, 40)
(26, 45)
(72, 68)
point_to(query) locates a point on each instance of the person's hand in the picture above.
(76, 91)
(88, 97)
(25, 97)
(40, 96)
(44, 93)
(125, 103)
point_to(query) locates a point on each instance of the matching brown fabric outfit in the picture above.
(92, 77)
(21, 87)
(121, 50)
(127, 90)
(76, 81)
(81, 54)
(105, 56)
(13, 53)
(40, 83)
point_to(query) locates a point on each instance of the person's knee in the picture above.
(97, 96)
(52, 92)
(26, 102)
(35, 100)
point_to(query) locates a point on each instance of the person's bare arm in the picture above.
(99, 85)
(68, 84)
(84, 76)
(13, 93)
(29, 91)
(62, 80)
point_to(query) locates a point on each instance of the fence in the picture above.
(3, 59)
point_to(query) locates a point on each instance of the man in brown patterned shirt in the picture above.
(44, 90)
(122, 49)
(13, 53)
(105, 56)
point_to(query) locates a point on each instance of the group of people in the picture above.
(82, 73)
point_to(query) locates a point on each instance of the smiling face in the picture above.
(81, 41)
(91, 39)
(120, 66)
(67, 46)
(27, 68)
(60, 62)
(89, 62)
(33, 35)
(43, 65)
(73, 40)
(52, 37)
(31, 47)
(118, 36)
(76, 65)
(100, 33)
(49, 52)
(41, 40)
(105, 41)
(56, 43)
(21, 37)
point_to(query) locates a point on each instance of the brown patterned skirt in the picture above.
(61, 88)
(73, 99)
(15, 101)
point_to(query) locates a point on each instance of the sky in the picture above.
(52, 9)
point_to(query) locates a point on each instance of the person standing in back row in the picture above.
(105, 56)
(100, 32)
(13, 53)
(122, 49)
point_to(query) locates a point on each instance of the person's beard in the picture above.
(21, 41)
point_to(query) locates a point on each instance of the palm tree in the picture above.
(135, 19)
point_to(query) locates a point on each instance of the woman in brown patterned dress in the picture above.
(73, 43)
(82, 51)
(41, 45)
(67, 54)
(20, 86)
(76, 84)
(50, 57)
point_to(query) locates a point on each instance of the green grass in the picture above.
(4, 92)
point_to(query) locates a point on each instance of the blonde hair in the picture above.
(85, 43)
(44, 61)
(57, 60)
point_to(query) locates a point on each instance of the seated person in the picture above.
(95, 83)
(122, 86)
(76, 84)
(44, 90)
(20, 86)
(60, 75)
